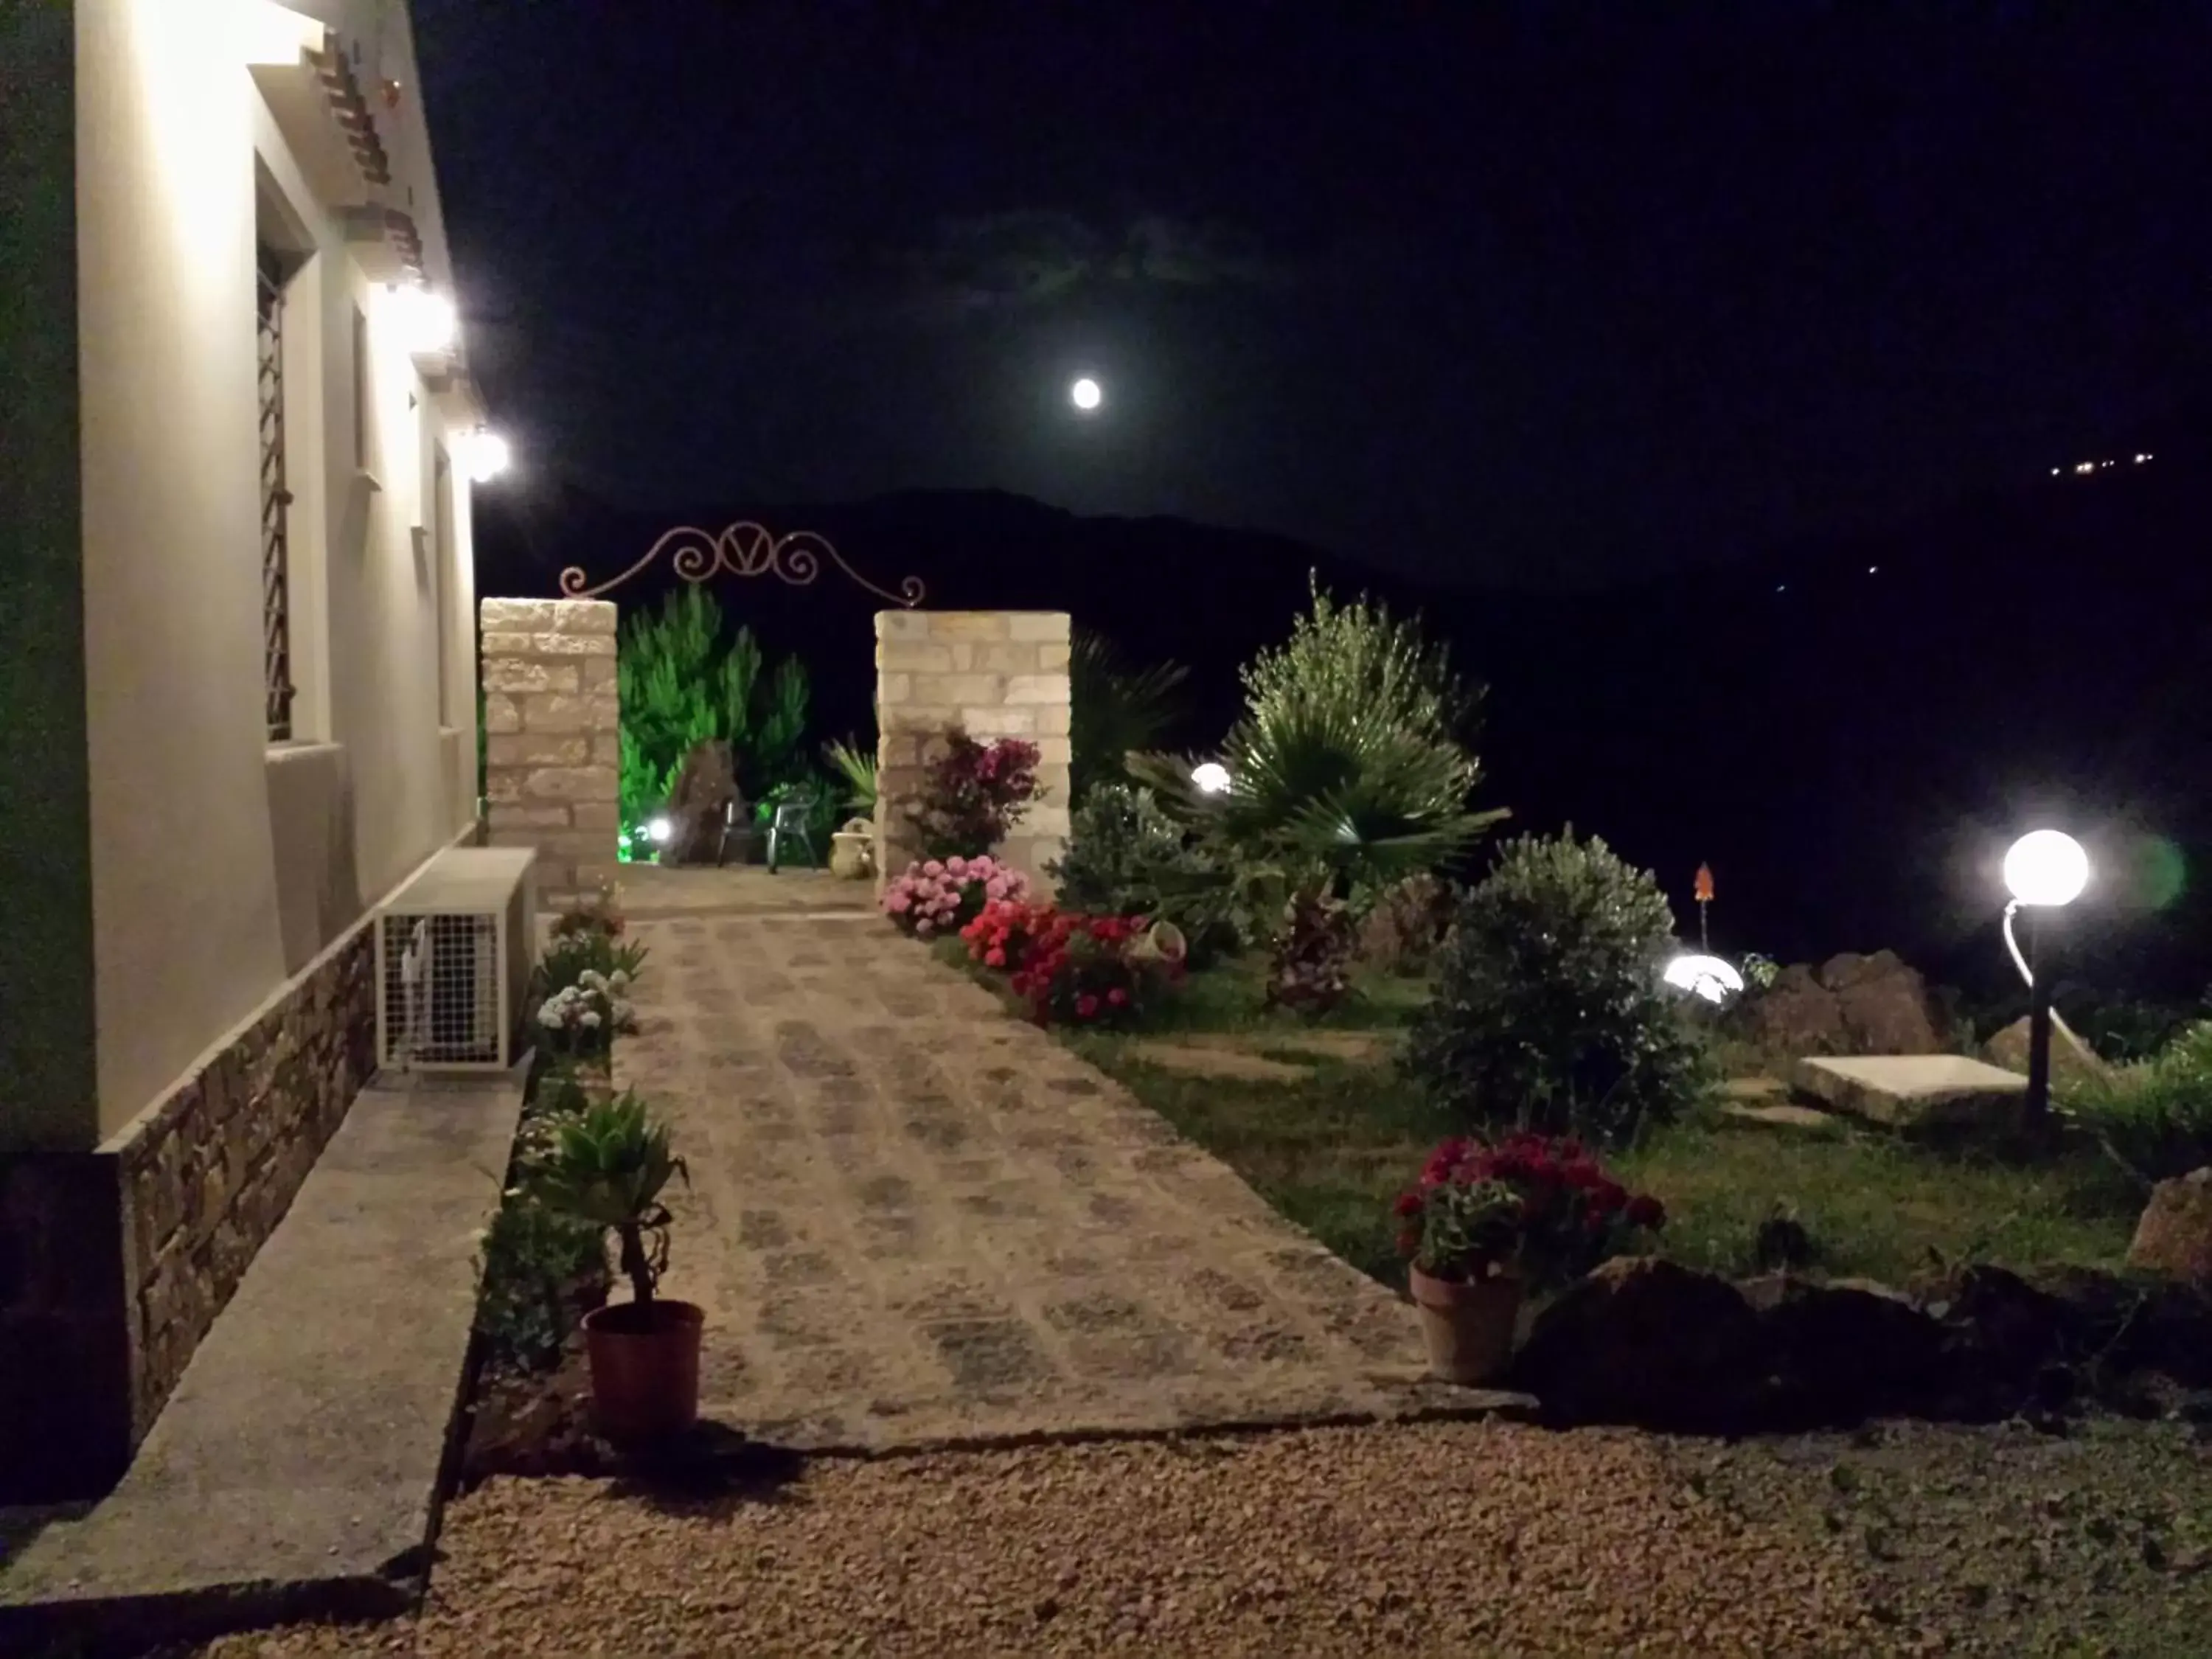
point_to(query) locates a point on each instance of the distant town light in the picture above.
(1211, 778)
(2140, 459)
(1872, 568)
(2085, 466)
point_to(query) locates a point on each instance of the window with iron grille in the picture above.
(275, 499)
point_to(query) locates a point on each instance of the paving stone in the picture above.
(886, 1262)
(1908, 1092)
(1805, 1119)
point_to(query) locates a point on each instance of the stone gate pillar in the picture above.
(997, 673)
(552, 742)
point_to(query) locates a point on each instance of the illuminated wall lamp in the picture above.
(483, 454)
(426, 323)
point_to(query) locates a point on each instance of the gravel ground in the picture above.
(1471, 1538)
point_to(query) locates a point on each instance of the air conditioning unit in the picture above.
(453, 951)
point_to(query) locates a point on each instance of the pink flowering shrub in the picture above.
(943, 896)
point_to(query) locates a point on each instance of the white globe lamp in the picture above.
(2045, 871)
(1712, 978)
(1210, 778)
(2046, 868)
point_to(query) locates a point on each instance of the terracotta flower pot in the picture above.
(645, 1368)
(1468, 1327)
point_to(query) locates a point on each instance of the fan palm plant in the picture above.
(857, 767)
(1120, 710)
(1348, 766)
(609, 1164)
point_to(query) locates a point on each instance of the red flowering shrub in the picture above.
(1086, 970)
(974, 794)
(1530, 1202)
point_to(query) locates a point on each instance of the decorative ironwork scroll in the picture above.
(744, 549)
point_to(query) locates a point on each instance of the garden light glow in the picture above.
(1708, 978)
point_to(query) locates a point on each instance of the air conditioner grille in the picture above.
(453, 962)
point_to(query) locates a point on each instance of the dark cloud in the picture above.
(1034, 256)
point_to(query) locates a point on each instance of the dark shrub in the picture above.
(1549, 1012)
(2154, 1117)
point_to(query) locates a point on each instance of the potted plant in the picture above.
(1487, 1221)
(609, 1164)
(852, 850)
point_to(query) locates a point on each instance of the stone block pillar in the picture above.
(996, 673)
(552, 739)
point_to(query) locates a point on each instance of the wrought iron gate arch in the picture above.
(744, 549)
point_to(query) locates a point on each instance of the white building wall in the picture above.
(220, 865)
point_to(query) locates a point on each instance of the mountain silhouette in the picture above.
(1849, 729)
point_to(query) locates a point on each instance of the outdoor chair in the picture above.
(733, 829)
(792, 822)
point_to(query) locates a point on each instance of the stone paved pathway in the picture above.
(914, 1219)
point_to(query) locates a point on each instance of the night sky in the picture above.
(1473, 291)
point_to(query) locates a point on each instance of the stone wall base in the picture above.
(114, 1263)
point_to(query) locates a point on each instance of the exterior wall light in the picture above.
(483, 454)
(426, 323)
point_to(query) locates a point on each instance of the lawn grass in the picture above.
(1873, 1204)
(1331, 1149)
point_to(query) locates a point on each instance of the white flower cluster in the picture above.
(595, 1000)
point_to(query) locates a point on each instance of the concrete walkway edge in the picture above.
(299, 1468)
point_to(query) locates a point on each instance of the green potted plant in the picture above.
(1487, 1221)
(609, 1164)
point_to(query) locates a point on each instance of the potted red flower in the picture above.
(1486, 1220)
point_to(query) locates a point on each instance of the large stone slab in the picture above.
(295, 1471)
(1913, 1091)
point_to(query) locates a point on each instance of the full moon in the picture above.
(1085, 394)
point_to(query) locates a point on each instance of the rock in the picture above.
(1646, 1341)
(1883, 1005)
(1795, 1015)
(1851, 1005)
(2070, 1067)
(1844, 1351)
(2001, 1333)
(699, 804)
(2174, 1236)
(2172, 1332)
(1915, 1092)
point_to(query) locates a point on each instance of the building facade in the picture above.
(237, 654)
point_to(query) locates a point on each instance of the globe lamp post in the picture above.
(2045, 870)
